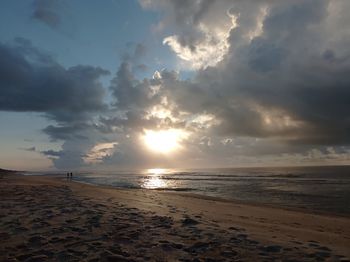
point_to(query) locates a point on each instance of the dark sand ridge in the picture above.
(50, 218)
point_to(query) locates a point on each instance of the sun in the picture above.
(163, 141)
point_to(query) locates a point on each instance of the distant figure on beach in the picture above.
(69, 175)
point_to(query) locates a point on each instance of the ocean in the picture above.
(322, 189)
(325, 189)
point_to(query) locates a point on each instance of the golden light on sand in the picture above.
(163, 141)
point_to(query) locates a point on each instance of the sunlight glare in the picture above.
(154, 182)
(163, 141)
(156, 171)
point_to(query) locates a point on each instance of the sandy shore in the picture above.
(52, 219)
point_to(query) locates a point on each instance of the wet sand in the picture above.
(53, 219)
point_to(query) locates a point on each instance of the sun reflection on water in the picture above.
(153, 179)
(156, 171)
(154, 183)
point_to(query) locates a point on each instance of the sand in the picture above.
(53, 219)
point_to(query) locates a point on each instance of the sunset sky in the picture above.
(110, 84)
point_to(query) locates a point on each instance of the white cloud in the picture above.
(99, 152)
(208, 52)
(270, 87)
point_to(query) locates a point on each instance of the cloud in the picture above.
(33, 81)
(66, 132)
(30, 149)
(52, 153)
(270, 85)
(46, 11)
(280, 79)
(201, 28)
(72, 154)
(275, 83)
(133, 56)
(283, 74)
(99, 152)
(128, 91)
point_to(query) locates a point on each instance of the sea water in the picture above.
(323, 188)
(314, 188)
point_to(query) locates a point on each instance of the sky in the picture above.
(120, 84)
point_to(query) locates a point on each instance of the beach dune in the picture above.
(49, 218)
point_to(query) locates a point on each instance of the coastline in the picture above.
(226, 229)
(318, 191)
(185, 192)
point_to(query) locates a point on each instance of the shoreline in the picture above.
(249, 231)
(203, 196)
(309, 200)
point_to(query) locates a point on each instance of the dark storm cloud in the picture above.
(135, 99)
(46, 12)
(285, 70)
(183, 16)
(72, 154)
(279, 90)
(52, 153)
(32, 81)
(129, 92)
(288, 82)
(131, 120)
(68, 159)
(30, 149)
(66, 132)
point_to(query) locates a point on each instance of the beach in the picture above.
(50, 218)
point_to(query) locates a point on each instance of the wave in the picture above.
(178, 189)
